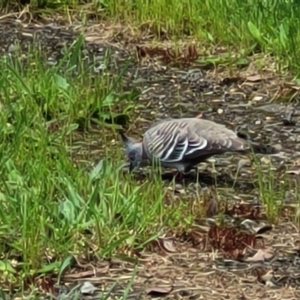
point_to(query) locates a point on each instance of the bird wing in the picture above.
(178, 139)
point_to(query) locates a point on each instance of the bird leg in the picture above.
(180, 175)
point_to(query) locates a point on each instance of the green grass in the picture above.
(267, 27)
(271, 190)
(54, 202)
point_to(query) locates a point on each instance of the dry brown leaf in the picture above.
(260, 255)
(263, 229)
(88, 288)
(244, 211)
(294, 171)
(94, 271)
(292, 85)
(197, 238)
(296, 87)
(156, 291)
(177, 190)
(230, 240)
(45, 283)
(212, 207)
(267, 277)
(264, 277)
(168, 55)
(168, 245)
(252, 226)
(254, 78)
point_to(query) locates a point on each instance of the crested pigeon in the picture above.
(184, 143)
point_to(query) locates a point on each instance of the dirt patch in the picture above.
(195, 272)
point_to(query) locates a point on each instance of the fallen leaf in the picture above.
(198, 238)
(168, 55)
(295, 87)
(177, 190)
(168, 245)
(263, 229)
(295, 170)
(212, 207)
(257, 229)
(260, 255)
(254, 78)
(244, 211)
(88, 288)
(157, 291)
(267, 278)
(230, 240)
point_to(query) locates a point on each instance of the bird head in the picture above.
(134, 151)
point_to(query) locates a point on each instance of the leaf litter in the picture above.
(231, 251)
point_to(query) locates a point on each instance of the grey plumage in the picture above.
(184, 143)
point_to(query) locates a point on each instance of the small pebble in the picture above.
(220, 111)
(244, 162)
(178, 186)
(257, 98)
(265, 160)
(258, 122)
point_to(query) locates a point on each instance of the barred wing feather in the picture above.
(172, 145)
(176, 140)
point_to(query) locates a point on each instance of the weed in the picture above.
(271, 189)
(247, 27)
(53, 203)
